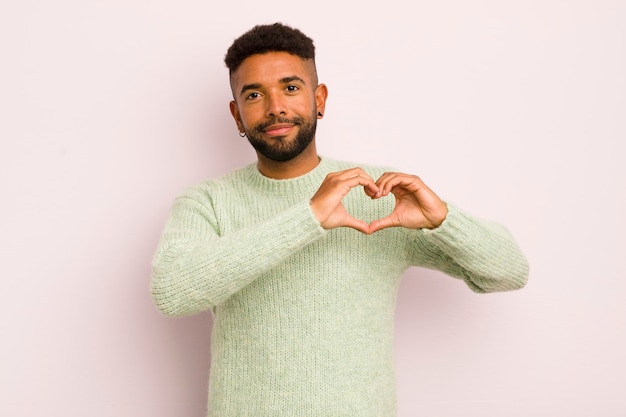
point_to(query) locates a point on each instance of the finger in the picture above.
(359, 225)
(351, 172)
(389, 180)
(337, 185)
(383, 223)
(385, 184)
(363, 180)
(370, 191)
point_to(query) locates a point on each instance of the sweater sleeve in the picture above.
(482, 253)
(195, 268)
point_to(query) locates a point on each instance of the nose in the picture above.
(275, 105)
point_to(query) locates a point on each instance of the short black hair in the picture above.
(262, 39)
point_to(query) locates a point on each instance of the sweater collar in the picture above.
(303, 184)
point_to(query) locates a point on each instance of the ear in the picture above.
(321, 93)
(234, 110)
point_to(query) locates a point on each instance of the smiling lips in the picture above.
(278, 129)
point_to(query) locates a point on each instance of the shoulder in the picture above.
(224, 183)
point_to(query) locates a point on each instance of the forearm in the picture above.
(482, 253)
(193, 272)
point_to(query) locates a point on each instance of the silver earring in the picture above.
(242, 134)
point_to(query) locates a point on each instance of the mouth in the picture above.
(280, 129)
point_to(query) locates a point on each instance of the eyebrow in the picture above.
(285, 80)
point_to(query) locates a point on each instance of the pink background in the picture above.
(513, 110)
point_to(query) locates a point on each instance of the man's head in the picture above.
(276, 96)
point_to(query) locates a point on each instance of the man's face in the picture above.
(276, 103)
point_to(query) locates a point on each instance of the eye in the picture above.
(292, 88)
(253, 96)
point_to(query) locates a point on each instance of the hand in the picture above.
(417, 206)
(327, 204)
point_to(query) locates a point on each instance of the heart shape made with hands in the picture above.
(407, 212)
(416, 206)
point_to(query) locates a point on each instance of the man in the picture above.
(300, 257)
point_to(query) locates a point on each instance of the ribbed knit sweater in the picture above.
(303, 316)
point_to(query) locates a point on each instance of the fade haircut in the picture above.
(262, 39)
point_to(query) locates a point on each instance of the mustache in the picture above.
(276, 120)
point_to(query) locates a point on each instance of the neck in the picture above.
(280, 170)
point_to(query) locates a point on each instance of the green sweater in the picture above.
(303, 316)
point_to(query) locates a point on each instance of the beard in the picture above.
(279, 148)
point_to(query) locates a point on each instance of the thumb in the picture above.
(357, 224)
(383, 223)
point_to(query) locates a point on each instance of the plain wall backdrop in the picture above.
(513, 110)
